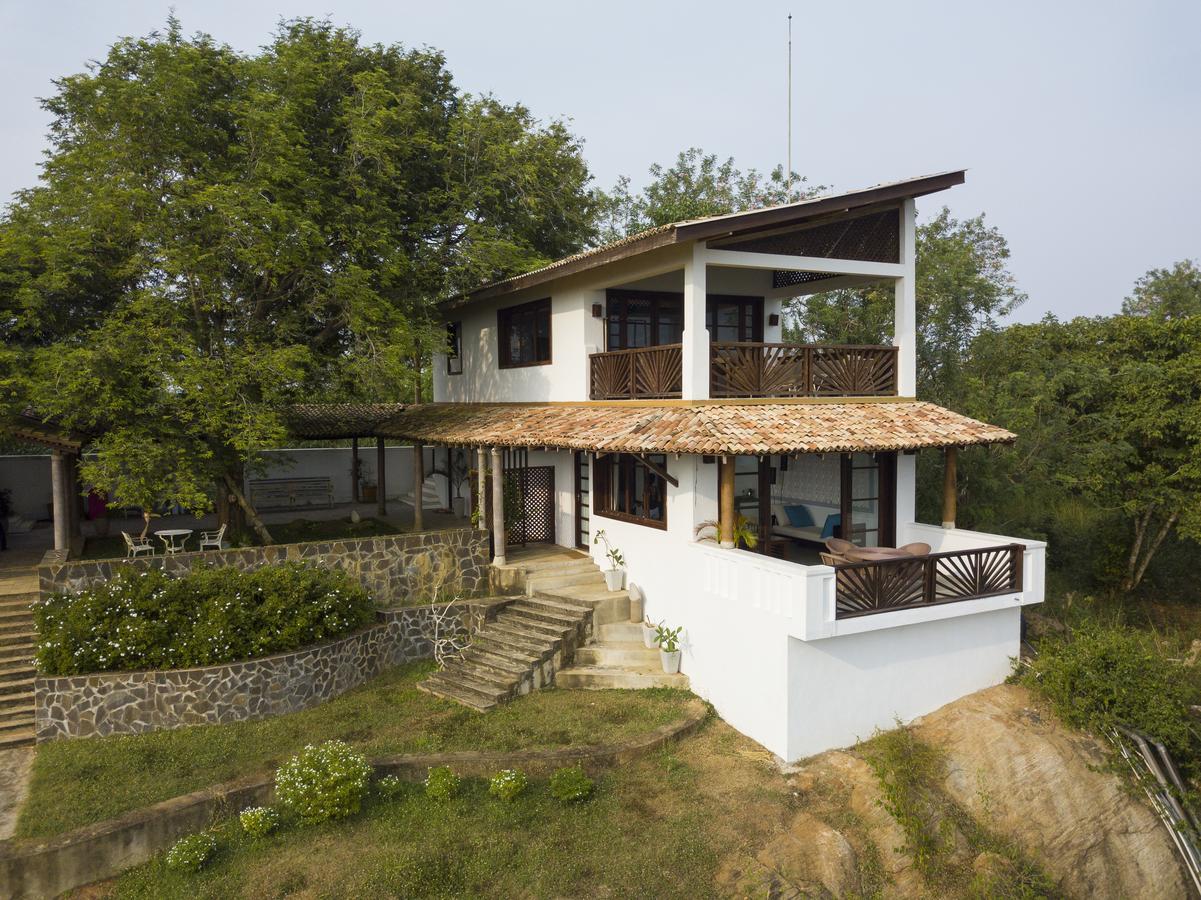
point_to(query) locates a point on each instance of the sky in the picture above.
(1079, 122)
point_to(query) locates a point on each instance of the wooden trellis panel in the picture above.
(533, 521)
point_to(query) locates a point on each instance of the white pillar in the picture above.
(696, 336)
(498, 508)
(59, 490)
(905, 307)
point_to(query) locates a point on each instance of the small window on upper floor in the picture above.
(523, 334)
(454, 348)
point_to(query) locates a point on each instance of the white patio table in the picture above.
(174, 540)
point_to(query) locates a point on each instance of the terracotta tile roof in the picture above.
(333, 421)
(708, 428)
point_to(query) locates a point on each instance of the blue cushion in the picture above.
(832, 522)
(798, 516)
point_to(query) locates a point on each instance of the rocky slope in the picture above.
(1015, 795)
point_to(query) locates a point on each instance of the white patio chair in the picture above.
(134, 546)
(212, 539)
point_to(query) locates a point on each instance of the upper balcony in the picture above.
(739, 369)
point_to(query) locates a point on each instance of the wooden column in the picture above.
(498, 508)
(725, 501)
(950, 487)
(482, 488)
(354, 470)
(59, 496)
(381, 486)
(418, 484)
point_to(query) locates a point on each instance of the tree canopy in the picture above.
(217, 234)
(1173, 293)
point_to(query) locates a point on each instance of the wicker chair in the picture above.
(838, 546)
(831, 559)
(916, 549)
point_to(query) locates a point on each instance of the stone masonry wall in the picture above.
(390, 567)
(135, 702)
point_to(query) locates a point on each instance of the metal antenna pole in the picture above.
(788, 174)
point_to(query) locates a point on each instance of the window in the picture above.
(627, 488)
(643, 319)
(734, 318)
(523, 334)
(454, 348)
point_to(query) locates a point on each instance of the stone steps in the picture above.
(17, 650)
(516, 653)
(621, 632)
(626, 654)
(597, 678)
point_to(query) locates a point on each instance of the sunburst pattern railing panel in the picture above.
(863, 588)
(643, 373)
(801, 370)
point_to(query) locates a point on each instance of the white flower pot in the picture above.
(614, 579)
(670, 661)
(648, 636)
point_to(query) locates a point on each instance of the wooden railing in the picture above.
(863, 588)
(802, 370)
(644, 373)
(748, 370)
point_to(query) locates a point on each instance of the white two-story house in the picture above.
(644, 387)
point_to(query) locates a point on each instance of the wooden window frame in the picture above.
(602, 488)
(454, 348)
(505, 322)
(743, 302)
(617, 302)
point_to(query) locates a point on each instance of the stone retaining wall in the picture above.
(391, 567)
(47, 868)
(107, 703)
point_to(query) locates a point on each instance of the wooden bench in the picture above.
(291, 493)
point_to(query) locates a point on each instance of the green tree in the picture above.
(1108, 412)
(1173, 293)
(964, 287)
(216, 235)
(696, 185)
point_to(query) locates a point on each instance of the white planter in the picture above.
(648, 636)
(614, 579)
(459, 506)
(670, 661)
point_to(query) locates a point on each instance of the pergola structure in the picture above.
(65, 447)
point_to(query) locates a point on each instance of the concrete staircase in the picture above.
(16, 660)
(549, 636)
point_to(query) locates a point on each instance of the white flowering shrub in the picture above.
(570, 784)
(322, 782)
(441, 783)
(258, 821)
(143, 619)
(189, 854)
(508, 784)
(390, 786)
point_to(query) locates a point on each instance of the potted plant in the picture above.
(669, 648)
(745, 532)
(614, 576)
(650, 634)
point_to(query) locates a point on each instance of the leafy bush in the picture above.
(144, 619)
(441, 783)
(508, 784)
(570, 784)
(1108, 674)
(390, 786)
(189, 854)
(259, 821)
(323, 782)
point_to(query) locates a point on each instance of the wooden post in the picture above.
(498, 508)
(381, 488)
(482, 489)
(354, 470)
(418, 484)
(950, 488)
(725, 501)
(59, 492)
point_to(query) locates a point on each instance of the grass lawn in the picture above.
(678, 823)
(83, 781)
